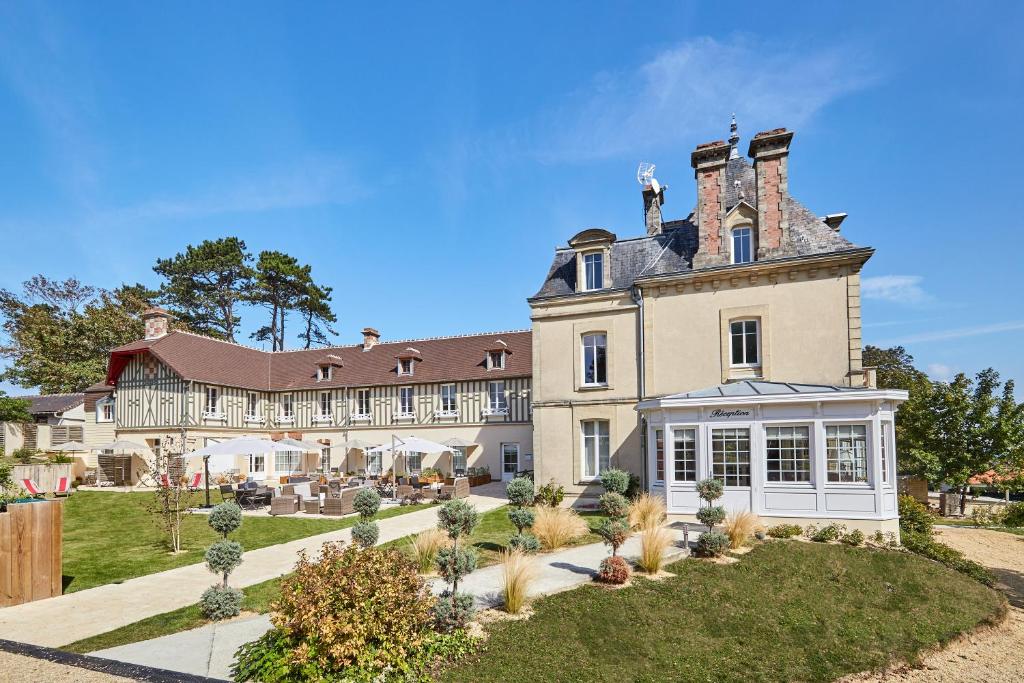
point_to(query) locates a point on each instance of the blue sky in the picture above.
(427, 160)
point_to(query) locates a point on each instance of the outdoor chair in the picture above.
(429, 493)
(460, 489)
(227, 492)
(165, 480)
(342, 505)
(285, 504)
(196, 482)
(404, 491)
(33, 488)
(311, 506)
(63, 487)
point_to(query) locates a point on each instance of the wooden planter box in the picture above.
(31, 557)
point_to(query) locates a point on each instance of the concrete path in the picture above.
(210, 650)
(68, 618)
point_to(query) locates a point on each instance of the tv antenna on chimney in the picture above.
(645, 176)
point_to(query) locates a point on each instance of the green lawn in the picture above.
(494, 530)
(111, 537)
(945, 521)
(786, 611)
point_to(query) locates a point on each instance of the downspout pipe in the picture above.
(638, 299)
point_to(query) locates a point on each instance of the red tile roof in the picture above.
(444, 359)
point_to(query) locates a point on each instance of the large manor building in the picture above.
(725, 344)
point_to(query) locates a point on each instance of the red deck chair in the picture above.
(63, 487)
(32, 488)
(197, 479)
(165, 480)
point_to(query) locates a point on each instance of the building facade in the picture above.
(751, 286)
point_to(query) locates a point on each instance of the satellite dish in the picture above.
(645, 173)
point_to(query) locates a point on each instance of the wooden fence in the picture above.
(31, 558)
(46, 476)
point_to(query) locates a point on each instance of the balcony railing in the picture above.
(490, 412)
(361, 417)
(446, 413)
(323, 419)
(286, 419)
(214, 415)
(254, 419)
(405, 415)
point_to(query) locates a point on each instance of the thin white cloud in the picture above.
(958, 333)
(686, 93)
(940, 372)
(899, 289)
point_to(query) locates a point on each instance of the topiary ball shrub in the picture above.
(223, 556)
(453, 563)
(521, 518)
(785, 530)
(457, 518)
(854, 538)
(710, 489)
(615, 481)
(614, 570)
(452, 612)
(225, 518)
(712, 544)
(614, 505)
(365, 533)
(528, 543)
(710, 516)
(220, 602)
(914, 516)
(1012, 515)
(366, 503)
(614, 532)
(520, 491)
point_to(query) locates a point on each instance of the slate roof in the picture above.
(53, 403)
(444, 359)
(672, 251)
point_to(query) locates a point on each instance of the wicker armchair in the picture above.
(342, 505)
(460, 489)
(285, 504)
(311, 506)
(429, 493)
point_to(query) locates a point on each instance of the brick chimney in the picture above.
(708, 162)
(770, 151)
(654, 198)
(371, 338)
(157, 322)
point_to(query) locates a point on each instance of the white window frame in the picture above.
(286, 462)
(448, 396)
(750, 455)
(497, 401)
(671, 434)
(868, 480)
(406, 402)
(402, 364)
(659, 455)
(519, 455)
(102, 406)
(364, 405)
(887, 435)
(322, 416)
(375, 463)
(593, 271)
(743, 336)
(495, 360)
(257, 458)
(594, 347)
(323, 373)
(252, 407)
(459, 456)
(286, 409)
(212, 413)
(733, 234)
(811, 453)
(597, 439)
(325, 458)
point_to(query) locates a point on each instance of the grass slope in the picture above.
(786, 611)
(111, 537)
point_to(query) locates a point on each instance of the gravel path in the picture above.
(21, 668)
(993, 655)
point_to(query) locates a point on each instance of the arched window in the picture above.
(742, 245)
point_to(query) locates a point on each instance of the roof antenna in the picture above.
(734, 139)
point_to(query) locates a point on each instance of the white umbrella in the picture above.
(123, 446)
(301, 445)
(70, 446)
(458, 442)
(411, 444)
(243, 445)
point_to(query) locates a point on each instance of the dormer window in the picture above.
(742, 245)
(495, 360)
(593, 267)
(405, 366)
(323, 373)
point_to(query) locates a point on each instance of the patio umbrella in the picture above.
(70, 446)
(125, 447)
(243, 445)
(411, 444)
(458, 442)
(304, 446)
(356, 445)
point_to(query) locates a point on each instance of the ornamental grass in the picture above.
(740, 527)
(654, 542)
(557, 526)
(647, 511)
(424, 547)
(520, 571)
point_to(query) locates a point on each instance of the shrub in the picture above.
(221, 602)
(223, 557)
(634, 489)
(23, 455)
(61, 459)
(739, 527)
(457, 518)
(981, 515)
(452, 611)
(1013, 515)
(366, 503)
(829, 532)
(785, 530)
(519, 571)
(614, 532)
(925, 545)
(225, 518)
(710, 516)
(424, 547)
(712, 544)
(647, 511)
(614, 505)
(550, 494)
(654, 542)
(614, 570)
(556, 526)
(350, 610)
(914, 516)
(525, 542)
(854, 537)
(878, 538)
(365, 533)
(521, 518)
(520, 491)
(453, 563)
(710, 489)
(615, 481)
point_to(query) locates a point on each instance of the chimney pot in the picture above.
(653, 201)
(770, 151)
(157, 322)
(371, 338)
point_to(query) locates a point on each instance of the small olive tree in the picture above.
(365, 532)
(458, 519)
(615, 529)
(709, 491)
(521, 496)
(171, 505)
(220, 601)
